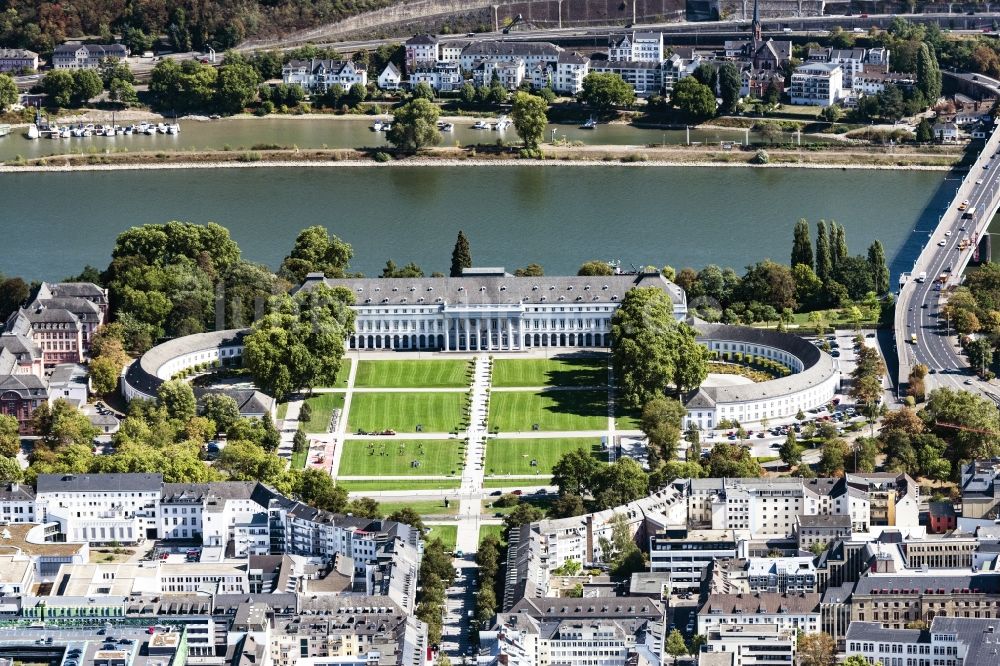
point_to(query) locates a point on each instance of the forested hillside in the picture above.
(186, 24)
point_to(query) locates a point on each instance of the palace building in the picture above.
(488, 309)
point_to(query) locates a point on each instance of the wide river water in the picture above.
(559, 216)
(343, 132)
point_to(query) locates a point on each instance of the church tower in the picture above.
(757, 38)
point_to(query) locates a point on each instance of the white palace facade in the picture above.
(488, 309)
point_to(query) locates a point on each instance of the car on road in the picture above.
(963, 205)
(948, 233)
(942, 243)
(924, 306)
(986, 167)
(980, 181)
(968, 382)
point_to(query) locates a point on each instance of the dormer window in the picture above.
(378, 288)
(461, 288)
(395, 288)
(503, 287)
(482, 289)
(604, 288)
(534, 287)
(569, 288)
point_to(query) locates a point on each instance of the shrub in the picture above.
(761, 157)
(382, 157)
(250, 156)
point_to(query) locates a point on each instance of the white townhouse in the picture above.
(510, 74)
(789, 612)
(17, 503)
(216, 513)
(421, 51)
(756, 645)
(390, 78)
(100, 508)
(644, 76)
(571, 69)
(16, 60)
(817, 83)
(320, 75)
(443, 77)
(85, 56)
(636, 47)
(851, 61)
(681, 63)
(489, 309)
(531, 53)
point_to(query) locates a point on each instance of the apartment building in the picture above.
(949, 641)
(687, 556)
(636, 47)
(320, 75)
(751, 645)
(100, 508)
(789, 612)
(86, 56)
(816, 83)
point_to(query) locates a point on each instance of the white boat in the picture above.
(77, 131)
(174, 128)
(32, 132)
(142, 127)
(4, 130)
(590, 124)
(386, 127)
(502, 123)
(481, 124)
(446, 127)
(377, 126)
(161, 128)
(65, 133)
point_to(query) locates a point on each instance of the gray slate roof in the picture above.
(487, 49)
(142, 373)
(874, 631)
(16, 492)
(498, 290)
(86, 483)
(26, 386)
(985, 583)
(770, 603)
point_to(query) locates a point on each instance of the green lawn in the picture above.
(540, 480)
(299, 459)
(494, 530)
(518, 411)
(423, 507)
(402, 412)
(394, 457)
(415, 483)
(412, 374)
(550, 372)
(627, 419)
(322, 406)
(282, 410)
(447, 533)
(514, 456)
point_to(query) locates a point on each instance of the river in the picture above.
(558, 216)
(333, 132)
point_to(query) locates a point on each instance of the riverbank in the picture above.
(714, 156)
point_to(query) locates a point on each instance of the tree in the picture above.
(858, 660)
(733, 461)
(86, 85)
(8, 92)
(461, 255)
(57, 84)
(824, 260)
(62, 425)
(221, 409)
(301, 342)
(10, 440)
(707, 75)
(694, 100)
(595, 267)
(818, 649)
(980, 353)
(409, 517)
(300, 441)
(523, 514)
(604, 92)
(414, 126)
(791, 450)
(528, 114)
(661, 422)
(802, 252)
(651, 349)
(567, 505)
(675, 644)
(866, 450)
(833, 458)
(575, 473)
(177, 397)
(236, 87)
(114, 68)
(622, 482)
(769, 283)
(122, 92)
(855, 274)
(925, 133)
(104, 375)
(316, 488)
(879, 269)
(467, 93)
(10, 470)
(531, 270)
(729, 86)
(977, 417)
(928, 75)
(316, 251)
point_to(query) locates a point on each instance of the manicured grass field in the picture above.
(416, 483)
(627, 419)
(322, 406)
(299, 459)
(394, 457)
(423, 507)
(340, 381)
(514, 456)
(282, 410)
(517, 411)
(411, 374)
(488, 530)
(437, 412)
(551, 372)
(530, 482)
(447, 533)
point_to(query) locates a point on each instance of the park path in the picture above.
(288, 427)
(339, 435)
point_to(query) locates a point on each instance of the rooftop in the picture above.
(87, 483)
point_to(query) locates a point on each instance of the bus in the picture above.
(913, 338)
(969, 214)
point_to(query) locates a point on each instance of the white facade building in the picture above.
(644, 76)
(687, 559)
(17, 503)
(789, 612)
(636, 47)
(753, 645)
(421, 51)
(100, 508)
(162, 362)
(570, 72)
(320, 75)
(390, 78)
(86, 56)
(488, 309)
(817, 83)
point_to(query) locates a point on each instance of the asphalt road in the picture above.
(919, 306)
